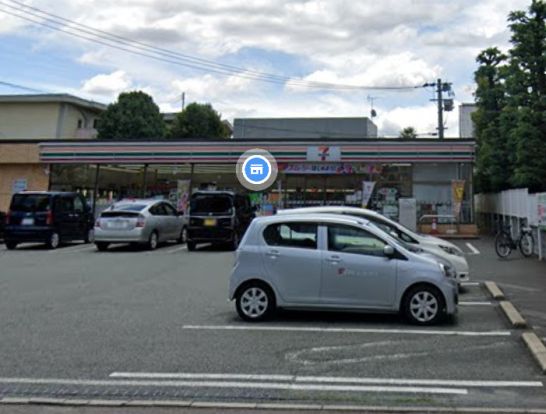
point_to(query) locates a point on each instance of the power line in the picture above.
(143, 49)
(25, 88)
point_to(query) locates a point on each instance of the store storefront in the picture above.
(377, 173)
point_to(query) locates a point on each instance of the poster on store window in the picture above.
(367, 190)
(457, 195)
(19, 185)
(183, 195)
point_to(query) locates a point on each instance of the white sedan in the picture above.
(427, 243)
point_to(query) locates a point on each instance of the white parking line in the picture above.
(477, 303)
(239, 384)
(472, 248)
(178, 249)
(73, 249)
(344, 330)
(320, 379)
(470, 283)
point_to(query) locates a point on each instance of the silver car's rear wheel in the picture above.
(424, 305)
(255, 302)
(153, 241)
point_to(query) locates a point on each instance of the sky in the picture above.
(348, 42)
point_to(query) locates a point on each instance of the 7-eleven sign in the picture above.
(324, 153)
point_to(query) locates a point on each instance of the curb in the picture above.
(494, 290)
(515, 318)
(537, 349)
(263, 406)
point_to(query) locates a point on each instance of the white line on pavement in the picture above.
(238, 384)
(73, 249)
(470, 283)
(472, 248)
(189, 375)
(344, 330)
(178, 249)
(319, 379)
(469, 303)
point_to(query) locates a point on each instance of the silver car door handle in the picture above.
(273, 254)
(333, 259)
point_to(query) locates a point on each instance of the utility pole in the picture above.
(440, 109)
(443, 104)
(183, 100)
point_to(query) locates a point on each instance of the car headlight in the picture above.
(447, 270)
(451, 250)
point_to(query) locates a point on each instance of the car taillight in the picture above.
(49, 218)
(8, 216)
(97, 223)
(141, 221)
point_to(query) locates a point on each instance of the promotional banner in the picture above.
(367, 190)
(330, 168)
(457, 195)
(183, 196)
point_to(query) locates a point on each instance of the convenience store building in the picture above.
(311, 171)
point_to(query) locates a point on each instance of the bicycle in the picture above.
(504, 243)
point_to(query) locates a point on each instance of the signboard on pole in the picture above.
(367, 190)
(183, 196)
(457, 195)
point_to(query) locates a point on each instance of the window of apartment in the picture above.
(95, 123)
(80, 123)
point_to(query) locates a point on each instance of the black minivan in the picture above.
(218, 217)
(47, 217)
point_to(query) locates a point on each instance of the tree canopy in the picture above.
(199, 121)
(511, 98)
(133, 116)
(408, 133)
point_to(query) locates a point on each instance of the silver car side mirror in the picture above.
(388, 251)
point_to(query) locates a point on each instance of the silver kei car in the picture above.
(144, 222)
(327, 261)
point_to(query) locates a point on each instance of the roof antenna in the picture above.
(370, 99)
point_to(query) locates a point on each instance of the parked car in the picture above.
(2, 224)
(48, 217)
(327, 261)
(430, 244)
(218, 217)
(140, 222)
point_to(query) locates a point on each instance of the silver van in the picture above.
(328, 261)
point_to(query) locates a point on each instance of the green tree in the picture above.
(133, 116)
(511, 99)
(199, 121)
(528, 95)
(408, 133)
(492, 171)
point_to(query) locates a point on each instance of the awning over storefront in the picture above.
(226, 152)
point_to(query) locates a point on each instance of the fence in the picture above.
(515, 207)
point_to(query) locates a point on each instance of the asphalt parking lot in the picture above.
(132, 324)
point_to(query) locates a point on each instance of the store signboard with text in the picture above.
(330, 168)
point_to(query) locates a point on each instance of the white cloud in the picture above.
(392, 42)
(107, 84)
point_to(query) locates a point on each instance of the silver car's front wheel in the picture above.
(255, 302)
(424, 305)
